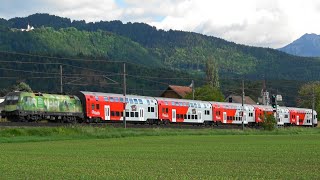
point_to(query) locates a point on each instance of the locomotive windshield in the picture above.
(11, 99)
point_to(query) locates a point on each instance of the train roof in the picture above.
(181, 100)
(116, 95)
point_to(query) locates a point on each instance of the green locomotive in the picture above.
(25, 106)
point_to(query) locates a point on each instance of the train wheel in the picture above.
(166, 122)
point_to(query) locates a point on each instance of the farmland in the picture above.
(100, 153)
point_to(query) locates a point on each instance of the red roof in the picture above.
(180, 90)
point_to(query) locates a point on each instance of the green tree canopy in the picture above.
(212, 73)
(22, 86)
(207, 93)
(305, 95)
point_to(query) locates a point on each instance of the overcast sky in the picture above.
(265, 23)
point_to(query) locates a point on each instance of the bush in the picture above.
(269, 122)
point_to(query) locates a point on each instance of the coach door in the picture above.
(244, 118)
(199, 117)
(107, 112)
(174, 115)
(141, 115)
(224, 117)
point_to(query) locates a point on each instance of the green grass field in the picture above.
(108, 153)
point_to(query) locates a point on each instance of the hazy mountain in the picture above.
(307, 45)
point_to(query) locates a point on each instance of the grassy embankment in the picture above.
(26, 134)
(116, 153)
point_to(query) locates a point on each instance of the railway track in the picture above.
(115, 125)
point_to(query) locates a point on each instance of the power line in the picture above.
(59, 58)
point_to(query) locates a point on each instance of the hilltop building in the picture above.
(29, 28)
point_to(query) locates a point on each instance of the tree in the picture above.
(269, 122)
(206, 93)
(22, 86)
(305, 95)
(212, 73)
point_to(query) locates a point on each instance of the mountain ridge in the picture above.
(173, 52)
(307, 45)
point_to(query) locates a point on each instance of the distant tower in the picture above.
(265, 100)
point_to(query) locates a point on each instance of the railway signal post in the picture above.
(242, 104)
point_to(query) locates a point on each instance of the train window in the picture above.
(286, 116)
(208, 112)
(188, 116)
(152, 109)
(136, 114)
(97, 106)
(112, 113)
(121, 113)
(117, 113)
(149, 109)
(135, 101)
(92, 106)
(131, 101)
(167, 110)
(192, 116)
(116, 99)
(127, 114)
(163, 110)
(195, 116)
(121, 99)
(185, 116)
(132, 114)
(111, 99)
(148, 102)
(127, 100)
(106, 99)
(140, 101)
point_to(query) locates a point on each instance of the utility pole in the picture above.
(61, 85)
(242, 104)
(313, 99)
(124, 94)
(192, 89)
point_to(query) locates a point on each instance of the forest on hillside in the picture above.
(175, 56)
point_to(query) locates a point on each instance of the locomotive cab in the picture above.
(11, 105)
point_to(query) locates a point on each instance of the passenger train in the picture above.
(109, 107)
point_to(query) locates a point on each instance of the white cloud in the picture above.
(266, 23)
